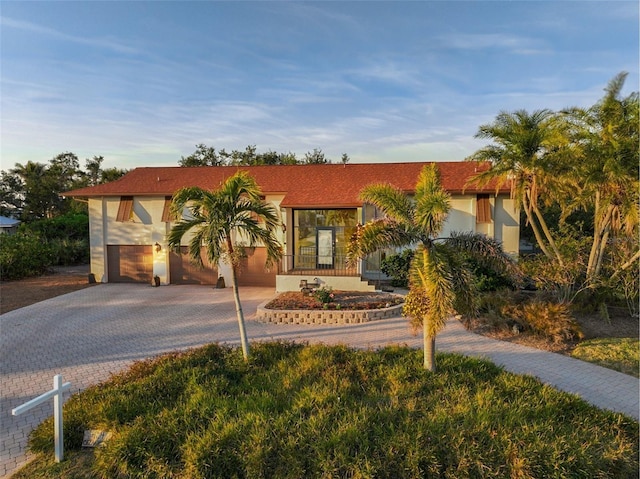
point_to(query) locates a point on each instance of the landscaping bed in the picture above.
(349, 300)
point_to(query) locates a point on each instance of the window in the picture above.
(166, 210)
(483, 209)
(125, 210)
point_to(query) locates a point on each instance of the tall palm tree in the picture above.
(607, 164)
(439, 280)
(521, 155)
(222, 221)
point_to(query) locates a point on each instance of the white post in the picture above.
(56, 393)
(57, 418)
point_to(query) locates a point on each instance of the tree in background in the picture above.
(519, 157)
(605, 172)
(221, 220)
(315, 157)
(33, 191)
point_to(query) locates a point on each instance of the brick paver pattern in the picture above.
(90, 334)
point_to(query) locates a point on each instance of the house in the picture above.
(318, 206)
(8, 225)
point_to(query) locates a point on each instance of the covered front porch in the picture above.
(294, 269)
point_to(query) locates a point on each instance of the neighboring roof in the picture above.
(8, 222)
(325, 185)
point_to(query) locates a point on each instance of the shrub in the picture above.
(396, 266)
(546, 318)
(324, 294)
(23, 255)
(70, 226)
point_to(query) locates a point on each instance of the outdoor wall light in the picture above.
(158, 247)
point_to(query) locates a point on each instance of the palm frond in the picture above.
(376, 235)
(389, 199)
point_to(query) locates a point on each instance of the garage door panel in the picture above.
(130, 263)
(183, 271)
(252, 271)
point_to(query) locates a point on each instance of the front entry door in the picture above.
(325, 242)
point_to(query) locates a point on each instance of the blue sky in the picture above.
(142, 83)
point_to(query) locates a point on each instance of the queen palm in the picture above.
(521, 155)
(440, 282)
(223, 221)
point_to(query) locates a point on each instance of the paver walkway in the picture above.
(90, 334)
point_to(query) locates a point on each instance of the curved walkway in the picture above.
(90, 334)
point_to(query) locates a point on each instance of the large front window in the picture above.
(321, 237)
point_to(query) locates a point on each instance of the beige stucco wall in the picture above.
(507, 224)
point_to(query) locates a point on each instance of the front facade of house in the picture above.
(319, 211)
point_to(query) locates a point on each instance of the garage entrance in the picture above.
(252, 271)
(130, 263)
(182, 271)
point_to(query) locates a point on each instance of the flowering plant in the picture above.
(324, 294)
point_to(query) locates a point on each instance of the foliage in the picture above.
(34, 190)
(324, 294)
(549, 319)
(563, 166)
(22, 255)
(350, 300)
(438, 276)
(208, 156)
(217, 218)
(70, 226)
(621, 354)
(317, 411)
(396, 266)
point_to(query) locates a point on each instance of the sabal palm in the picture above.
(439, 281)
(521, 157)
(221, 221)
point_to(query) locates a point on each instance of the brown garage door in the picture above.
(252, 271)
(185, 272)
(130, 263)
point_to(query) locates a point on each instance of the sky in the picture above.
(142, 83)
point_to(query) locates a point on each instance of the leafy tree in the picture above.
(315, 157)
(439, 280)
(11, 194)
(39, 189)
(203, 156)
(220, 220)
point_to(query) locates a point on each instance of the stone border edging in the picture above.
(324, 316)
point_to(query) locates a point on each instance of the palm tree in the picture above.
(607, 164)
(440, 282)
(222, 221)
(520, 155)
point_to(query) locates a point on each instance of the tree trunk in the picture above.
(429, 345)
(243, 332)
(534, 227)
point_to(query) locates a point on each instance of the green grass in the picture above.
(297, 411)
(621, 354)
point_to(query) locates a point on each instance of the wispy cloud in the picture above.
(483, 41)
(106, 43)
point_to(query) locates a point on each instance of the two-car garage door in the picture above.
(134, 264)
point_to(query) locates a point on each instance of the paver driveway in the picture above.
(92, 333)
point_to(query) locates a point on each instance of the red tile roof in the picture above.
(327, 185)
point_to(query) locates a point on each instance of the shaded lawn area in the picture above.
(318, 411)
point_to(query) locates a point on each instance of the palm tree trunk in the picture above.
(240, 315)
(429, 348)
(534, 227)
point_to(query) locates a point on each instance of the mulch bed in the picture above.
(345, 299)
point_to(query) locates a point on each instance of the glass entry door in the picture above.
(325, 245)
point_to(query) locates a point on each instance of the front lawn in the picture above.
(621, 354)
(299, 411)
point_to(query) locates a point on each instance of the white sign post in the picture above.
(56, 393)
